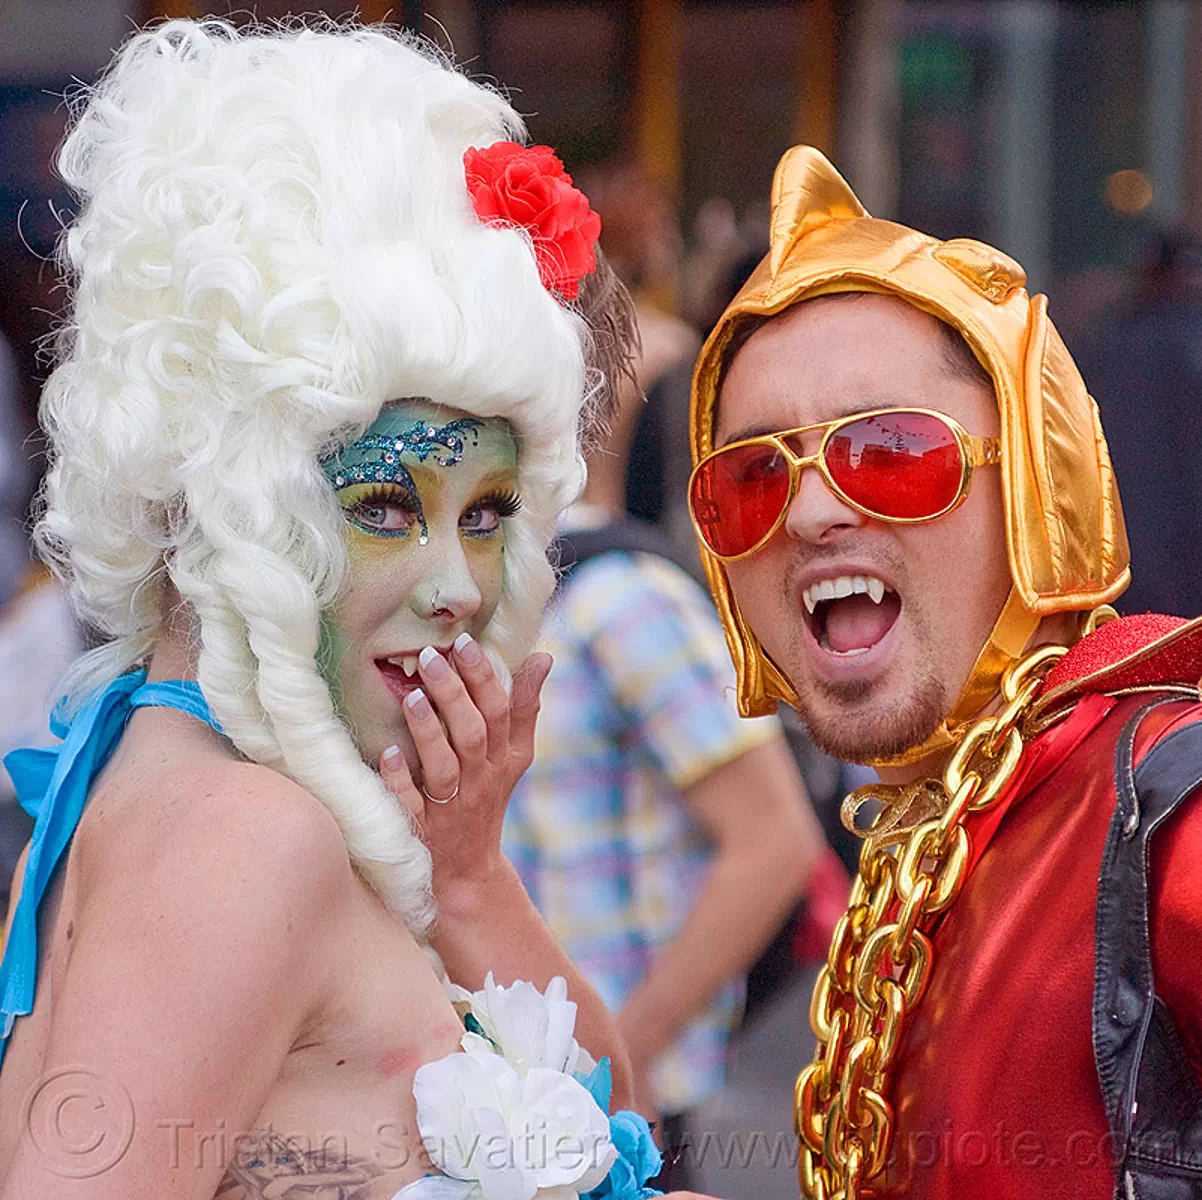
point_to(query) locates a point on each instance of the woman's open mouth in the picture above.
(399, 672)
(850, 614)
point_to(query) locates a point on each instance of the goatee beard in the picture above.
(875, 731)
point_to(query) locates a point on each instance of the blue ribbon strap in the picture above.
(52, 787)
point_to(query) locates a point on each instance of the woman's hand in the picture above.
(473, 742)
(486, 921)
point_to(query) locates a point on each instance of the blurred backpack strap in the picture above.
(625, 535)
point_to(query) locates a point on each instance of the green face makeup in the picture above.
(375, 474)
(424, 493)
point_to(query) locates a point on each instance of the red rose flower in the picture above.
(528, 186)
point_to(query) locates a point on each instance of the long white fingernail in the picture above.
(468, 649)
(433, 663)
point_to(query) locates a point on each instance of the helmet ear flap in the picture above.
(759, 683)
(752, 668)
(1068, 546)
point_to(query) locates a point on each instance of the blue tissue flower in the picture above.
(598, 1083)
(638, 1160)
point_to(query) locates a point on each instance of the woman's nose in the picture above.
(447, 589)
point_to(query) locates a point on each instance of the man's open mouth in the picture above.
(849, 614)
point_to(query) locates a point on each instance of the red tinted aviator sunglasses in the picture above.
(893, 464)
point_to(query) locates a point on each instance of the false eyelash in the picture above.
(506, 504)
(388, 493)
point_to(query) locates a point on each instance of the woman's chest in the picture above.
(341, 1120)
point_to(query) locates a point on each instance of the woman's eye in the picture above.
(480, 518)
(382, 515)
(485, 515)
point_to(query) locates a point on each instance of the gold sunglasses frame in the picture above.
(974, 452)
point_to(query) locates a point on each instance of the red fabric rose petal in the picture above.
(527, 186)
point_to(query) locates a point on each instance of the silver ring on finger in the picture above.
(444, 800)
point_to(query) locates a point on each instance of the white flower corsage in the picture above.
(515, 1115)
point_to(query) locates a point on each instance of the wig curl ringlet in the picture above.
(274, 240)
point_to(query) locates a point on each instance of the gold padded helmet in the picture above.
(1064, 526)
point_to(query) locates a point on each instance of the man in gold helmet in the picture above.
(911, 527)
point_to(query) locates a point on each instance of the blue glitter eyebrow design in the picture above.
(375, 458)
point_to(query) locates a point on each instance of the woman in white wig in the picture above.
(332, 333)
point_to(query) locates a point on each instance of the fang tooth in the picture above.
(876, 589)
(407, 663)
(809, 601)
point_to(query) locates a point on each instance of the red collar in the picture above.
(1132, 652)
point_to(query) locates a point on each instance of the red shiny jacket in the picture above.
(996, 1094)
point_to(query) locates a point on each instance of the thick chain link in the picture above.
(881, 956)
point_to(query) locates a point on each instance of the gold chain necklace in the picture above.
(912, 865)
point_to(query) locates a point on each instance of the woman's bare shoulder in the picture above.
(208, 821)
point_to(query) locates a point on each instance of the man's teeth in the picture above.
(407, 663)
(843, 585)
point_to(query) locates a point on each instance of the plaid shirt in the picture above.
(638, 706)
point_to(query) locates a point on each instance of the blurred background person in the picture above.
(663, 839)
(1144, 368)
(646, 464)
(717, 242)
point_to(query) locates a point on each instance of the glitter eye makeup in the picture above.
(376, 458)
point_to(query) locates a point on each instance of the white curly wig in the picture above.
(275, 239)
